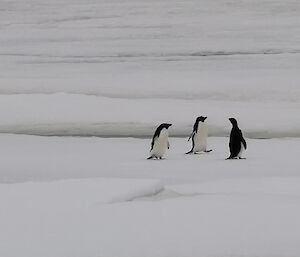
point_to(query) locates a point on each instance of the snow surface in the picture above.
(185, 205)
(32, 158)
(81, 115)
(210, 223)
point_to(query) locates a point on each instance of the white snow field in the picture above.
(108, 72)
(121, 204)
(35, 158)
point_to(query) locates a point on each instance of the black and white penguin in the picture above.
(237, 143)
(199, 136)
(160, 142)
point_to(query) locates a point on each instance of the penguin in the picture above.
(237, 143)
(160, 141)
(199, 136)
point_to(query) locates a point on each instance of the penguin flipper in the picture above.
(153, 141)
(191, 136)
(242, 139)
(244, 142)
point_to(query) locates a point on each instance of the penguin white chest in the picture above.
(200, 138)
(161, 144)
(241, 151)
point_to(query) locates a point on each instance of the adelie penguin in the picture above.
(237, 143)
(199, 136)
(160, 141)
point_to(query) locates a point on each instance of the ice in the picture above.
(81, 115)
(109, 72)
(74, 192)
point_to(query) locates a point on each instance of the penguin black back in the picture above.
(157, 132)
(236, 140)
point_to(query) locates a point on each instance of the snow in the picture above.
(134, 65)
(30, 211)
(32, 158)
(109, 72)
(121, 204)
(185, 205)
(81, 115)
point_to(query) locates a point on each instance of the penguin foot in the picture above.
(208, 151)
(155, 157)
(235, 158)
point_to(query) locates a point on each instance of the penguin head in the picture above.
(233, 121)
(201, 118)
(165, 125)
